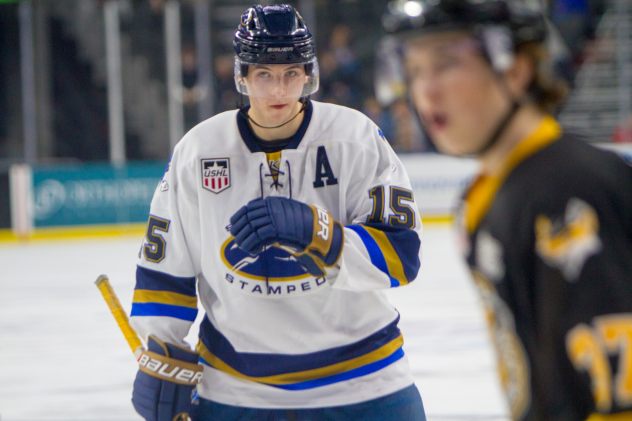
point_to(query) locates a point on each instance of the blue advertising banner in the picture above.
(88, 194)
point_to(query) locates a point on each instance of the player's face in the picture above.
(454, 90)
(274, 90)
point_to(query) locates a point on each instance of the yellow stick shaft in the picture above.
(103, 283)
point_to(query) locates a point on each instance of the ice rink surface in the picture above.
(62, 356)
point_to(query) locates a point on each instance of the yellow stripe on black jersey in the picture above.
(483, 190)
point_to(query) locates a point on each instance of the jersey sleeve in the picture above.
(165, 299)
(382, 242)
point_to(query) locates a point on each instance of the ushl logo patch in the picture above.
(216, 174)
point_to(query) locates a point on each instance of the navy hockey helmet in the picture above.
(275, 34)
(500, 25)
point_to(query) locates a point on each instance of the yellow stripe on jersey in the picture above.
(143, 296)
(393, 262)
(483, 190)
(303, 376)
(273, 157)
(622, 416)
(274, 161)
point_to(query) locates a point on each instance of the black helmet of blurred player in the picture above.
(272, 35)
(500, 27)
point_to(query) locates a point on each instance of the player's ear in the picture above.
(520, 75)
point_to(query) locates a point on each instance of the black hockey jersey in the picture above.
(549, 241)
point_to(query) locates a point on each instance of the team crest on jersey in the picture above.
(567, 243)
(216, 174)
(273, 273)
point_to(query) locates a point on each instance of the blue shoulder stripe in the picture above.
(164, 310)
(153, 280)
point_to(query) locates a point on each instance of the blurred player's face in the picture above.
(274, 91)
(455, 91)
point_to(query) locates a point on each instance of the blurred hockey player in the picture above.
(290, 216)
(547, 223)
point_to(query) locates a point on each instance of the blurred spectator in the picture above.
(623, 134)
(574, 21)
(407, 136)
(147, 31)
(379, 116)
(157, 6)
(225, 83)
(192, 94)
(340, 69)
(346, 60)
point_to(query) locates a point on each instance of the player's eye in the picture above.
(263, 74)
(292, 73)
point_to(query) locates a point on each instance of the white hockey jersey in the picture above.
(273, 335)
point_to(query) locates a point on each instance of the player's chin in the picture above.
(279, 116)
(452, 145)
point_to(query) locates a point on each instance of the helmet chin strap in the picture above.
(504, 121)
(502, 125)
(245, 114)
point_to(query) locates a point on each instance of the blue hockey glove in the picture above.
(307, 232)
(165, 381)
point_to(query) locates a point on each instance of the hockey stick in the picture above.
(103, 283)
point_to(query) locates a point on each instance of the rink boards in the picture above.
(101, 199)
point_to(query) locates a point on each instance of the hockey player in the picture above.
(290, 216)
(547, 224)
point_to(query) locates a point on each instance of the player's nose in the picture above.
(279, 89)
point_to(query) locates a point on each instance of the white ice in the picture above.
(62, 356)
